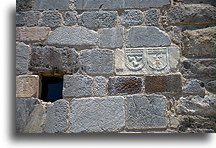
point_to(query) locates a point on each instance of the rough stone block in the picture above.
(50, 19)
(99, 86)
(25, 112)
(146, 112)
(118, 4)
(148, 36)
(97, 61)
(27, 86)
(51, 4)
(24, 5)
(73, 36)
(199, 43)
(125, 85)
(70, 18)
(111, 38)
(32, 18)
(139, 61)
(211, 86)
(77, 86)
(56, 118)
(48, 59)
(152, 17)
(197, 105)
(98, 19)
(32, 33)
(192, 68)
(166, 83)
(212, 2)
(132, 18)
(20, 19)
(22, 58)
(97, 114)
(191, 14)
(194, 86)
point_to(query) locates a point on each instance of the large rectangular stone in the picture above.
(27, 86)
(118, 4)
(139, 61)
(166, 83)
(51, 4)
(146, 112)
(97, 114)
(32, 33)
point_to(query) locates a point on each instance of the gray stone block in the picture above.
(125, 85)
(197, 68)
(32, 18)
(97, 61)
(99, 86)
(73, 36)
(199, 42)
(152, 17)
(48, 59)
(24, 5)
(196, 105)
(146, 112)
(77, 86)
(191, 14)
(22, 58)
(111, 38)
(148, 36)
(20, 19)
(56, 118)
(51, 4)
(70, 18)
(194, 86)
(132, 18)
(98, 19)
(24, 108)
(97, 114)
(51, 19)
(119, 4)
(211, 86)
(212, 2)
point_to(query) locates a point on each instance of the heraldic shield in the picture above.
(134, 59)
(157, 59)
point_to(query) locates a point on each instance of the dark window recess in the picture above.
(51, 89)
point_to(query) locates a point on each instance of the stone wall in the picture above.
(127, 66)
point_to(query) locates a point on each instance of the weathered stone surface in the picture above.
(132, 18)
(27, 86)
(48, 59)
(97, 114)
(191, 14)
(194, 86)
(148, 36)
(152, 17)
(77, 86)
(99, 86)
(24, 109)
(56, 119)
(32, 18)
(32, 33)
(199, 43)
(73, 36)
(98, 19)
(20, 19)
(51, 4)
(70, 18)
(197, 105)
(119, 4)
(23, 5)
(211, 86)
(198, 68)
(97, 61)
(111, 38)
(125, 85)
(22, 58)
(139, 61)
(166, 83)
(146, 112)
(36, 120)
(50, 19)
(212, 2)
